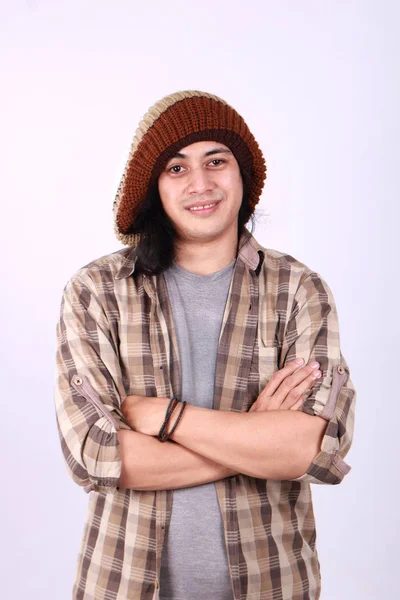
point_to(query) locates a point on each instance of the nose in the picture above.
(199, 181)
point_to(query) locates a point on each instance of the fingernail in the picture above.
(299, 361)
(317, 374)
(314, 365)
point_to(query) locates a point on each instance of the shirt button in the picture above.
(77, 380)
(340, 369)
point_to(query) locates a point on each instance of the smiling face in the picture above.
(201, 191)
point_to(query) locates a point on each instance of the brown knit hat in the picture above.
(172, 123)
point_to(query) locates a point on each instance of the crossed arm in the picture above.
(211, 445)
(148, 464)
(104, 449)
(274, 445)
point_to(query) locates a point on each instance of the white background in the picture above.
(318, 84)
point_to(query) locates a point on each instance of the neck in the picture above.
(204, 258)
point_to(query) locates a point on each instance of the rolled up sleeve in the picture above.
(88, 390)
(312, 333)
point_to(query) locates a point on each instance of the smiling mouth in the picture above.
(202, 207)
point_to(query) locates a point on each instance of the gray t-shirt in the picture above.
(194, 561)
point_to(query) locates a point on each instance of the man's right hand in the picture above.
(287, 387)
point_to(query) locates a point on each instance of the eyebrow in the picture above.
(209, 153)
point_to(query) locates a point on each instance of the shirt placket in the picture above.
(240, 318)
(163, 347)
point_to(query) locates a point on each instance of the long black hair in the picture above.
(155, 251)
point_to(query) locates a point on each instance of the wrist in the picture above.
(173, 416)
(143, 414)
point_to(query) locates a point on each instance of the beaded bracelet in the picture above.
(171, 407)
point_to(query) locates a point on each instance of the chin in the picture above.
(207, 234)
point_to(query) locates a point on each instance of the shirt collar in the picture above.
(250, 253)
(128, 265)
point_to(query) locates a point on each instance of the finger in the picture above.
(281, 402)
(306, 378)
(255, 406)
(279, 376)
(293, 401)
(301, 401)
(298, 404)
(296, 393)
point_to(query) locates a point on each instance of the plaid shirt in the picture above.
(116, 337)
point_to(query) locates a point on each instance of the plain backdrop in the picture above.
(318, 84)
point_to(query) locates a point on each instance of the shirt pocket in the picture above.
(267, 364)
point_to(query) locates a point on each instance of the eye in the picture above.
(217, 160)
(170, 170)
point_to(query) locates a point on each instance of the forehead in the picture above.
(202, 148)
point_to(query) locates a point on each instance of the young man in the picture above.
(206, 495)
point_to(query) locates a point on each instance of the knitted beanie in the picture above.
(172, 123)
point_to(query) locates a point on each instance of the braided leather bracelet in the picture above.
(162, 435)
(171, 407)
(167, 437)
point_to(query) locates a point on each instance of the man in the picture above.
(208, 499)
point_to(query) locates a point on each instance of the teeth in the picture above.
(201, 207)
